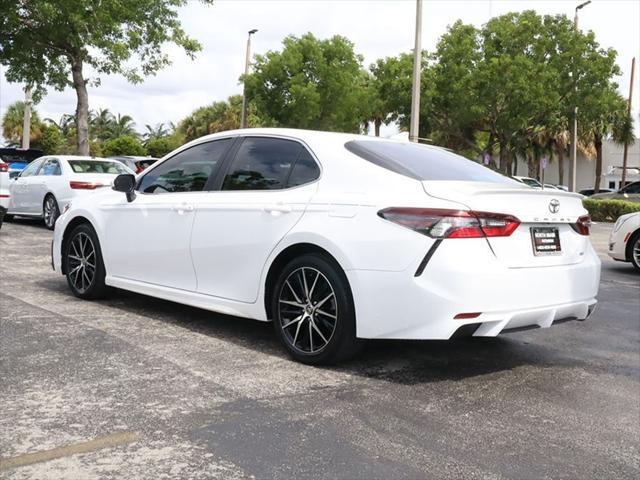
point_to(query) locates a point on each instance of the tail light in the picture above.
(4, 167)
(583, 225)
(85, 185)
(441, 223)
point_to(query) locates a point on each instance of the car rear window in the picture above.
(423, 162)
(97, 166)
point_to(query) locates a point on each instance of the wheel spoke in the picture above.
(291, 322)
(310, 336)
(315, 327)
(327, 314)
(314, 286)
(74, 257)
(85, 275)
(295, 338)
(292, 303)
(295, 295)
(322, 302)
(304, 283)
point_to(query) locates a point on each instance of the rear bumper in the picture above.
(467, 278)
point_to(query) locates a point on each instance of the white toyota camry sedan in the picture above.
(47, 184)
(624, 240)
(336, 238)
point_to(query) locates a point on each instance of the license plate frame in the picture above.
(545, 241)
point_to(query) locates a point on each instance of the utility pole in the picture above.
(574, 128)
(417, 69)
(626, 143)
(247, 62)
(26, 122)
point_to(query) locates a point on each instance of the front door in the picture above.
(265, 191)
(148, 239)
(23, 189)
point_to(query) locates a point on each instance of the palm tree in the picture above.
(101, 123)
(122, 125)
(12, 123)
(154, 132)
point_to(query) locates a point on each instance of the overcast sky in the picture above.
(378, 28)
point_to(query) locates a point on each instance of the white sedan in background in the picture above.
(624, 241)
(4, 184)
(335, 238)
(48, 184)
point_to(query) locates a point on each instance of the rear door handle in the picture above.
(182, 208)
(277, 209)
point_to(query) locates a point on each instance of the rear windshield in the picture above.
(97, 166)
(423, 162)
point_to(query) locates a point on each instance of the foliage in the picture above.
(44, 43)
(160, 146)
(609, 210)
(12, 123)
(311, 83)
(125, 145)
(50, 140)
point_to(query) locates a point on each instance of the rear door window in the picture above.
(423, 162)
(305, 170)
(261, 163)
(50, 167)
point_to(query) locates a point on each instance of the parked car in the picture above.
(336, 238)
(590, 191)
(18, 158)
(136, 164)
(531, 182)
(48, 184)
(630, 192)
(624, 241)
(4, 184)
(3, 210)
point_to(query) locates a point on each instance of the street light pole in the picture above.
(417, 69)
(247, 62)
(573, 164)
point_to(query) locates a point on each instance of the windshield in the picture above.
(423, 162)
(97, 166)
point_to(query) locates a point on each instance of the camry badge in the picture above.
(554, 206)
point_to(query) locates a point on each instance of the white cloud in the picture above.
(378, 28)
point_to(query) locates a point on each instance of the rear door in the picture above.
(49, 179)
(264, 192)
(148, 239)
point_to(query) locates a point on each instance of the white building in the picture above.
(586, 173)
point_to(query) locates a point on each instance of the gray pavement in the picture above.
(135, 387)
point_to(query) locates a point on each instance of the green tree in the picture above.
(50, 140)
(121, 126)
(125, 145)
(160, 146)
(46, 43)
(12, 123)
(311, 83)
(101, 123)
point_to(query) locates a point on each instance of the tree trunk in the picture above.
(598, 144)
(560, 152)
(82, 108)
(377, 123)
(503, 157)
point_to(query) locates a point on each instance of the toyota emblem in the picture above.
(554, 206)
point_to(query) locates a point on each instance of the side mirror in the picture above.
(126, 183)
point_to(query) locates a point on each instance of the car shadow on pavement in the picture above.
(398, 361)
(27, 222)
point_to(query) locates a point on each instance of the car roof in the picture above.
(78, 157)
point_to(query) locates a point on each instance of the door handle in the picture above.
(181, 209)
(277, 209)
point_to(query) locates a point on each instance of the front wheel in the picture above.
(314, 316)
(634, 245)
(50, 211)
(82, 261)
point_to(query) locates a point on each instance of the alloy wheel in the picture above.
(50, 209)
(636, 251)
(81, 262)
(307, 310)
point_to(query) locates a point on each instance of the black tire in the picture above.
(79, 244)
(301, 328)
(633, 249)
(8, 218)
(50, 211)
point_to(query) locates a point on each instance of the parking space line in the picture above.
(107, 441)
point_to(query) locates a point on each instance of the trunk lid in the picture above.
(534, 208)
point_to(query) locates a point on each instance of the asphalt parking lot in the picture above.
(135, 387)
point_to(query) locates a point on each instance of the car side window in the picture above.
(187, 171)
(31, 169)
(261, 164)
(305, 170)
(50, 166)
(632, 188)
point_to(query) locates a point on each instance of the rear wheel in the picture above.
(50, 211)
(314, 316)
(83, 263)
(634, 250)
